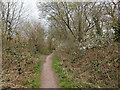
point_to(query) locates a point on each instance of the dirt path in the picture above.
(48, 78)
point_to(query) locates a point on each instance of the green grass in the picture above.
(63, 80)
(34, 79)
(63, 73)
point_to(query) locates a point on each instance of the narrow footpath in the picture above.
(48, 78)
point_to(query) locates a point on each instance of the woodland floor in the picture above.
(93, 68)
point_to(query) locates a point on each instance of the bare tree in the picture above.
(34, 34)
(11, 17)
(86, 22)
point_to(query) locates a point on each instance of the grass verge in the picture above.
(66, 76)
(34, 80)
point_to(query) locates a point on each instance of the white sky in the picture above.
(30, 5)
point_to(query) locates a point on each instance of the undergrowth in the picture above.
(18, 66)
(65, 75)
(34, 80)
(93, 68)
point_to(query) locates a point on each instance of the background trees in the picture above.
(16, 30)
(11, 15)
(35, 36)
(91, 23)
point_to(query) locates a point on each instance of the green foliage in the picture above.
(34, 79)
(37, 67)
(110, 51)
(63, 81)
(20, 69)
(90, 80)
(64, 73)
(27, 82)
(12, 52)
(13, 62)
(116, 27)
(37, 72)
(45, 51)
(35, 51)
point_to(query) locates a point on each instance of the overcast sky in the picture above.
(30, 6)
(32, 10)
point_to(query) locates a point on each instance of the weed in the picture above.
(34, 79)
(66, 77)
